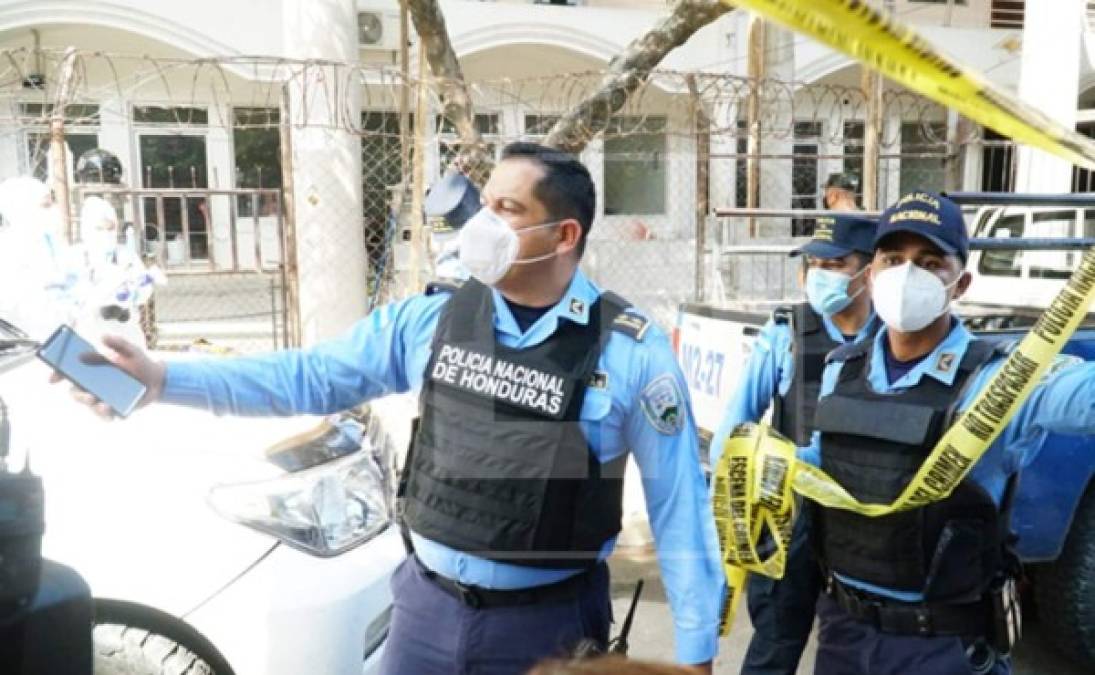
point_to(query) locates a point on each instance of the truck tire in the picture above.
(126, 650)
(1065, 589)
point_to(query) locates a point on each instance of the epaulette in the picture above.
(849, 351)
(627, 321)
(631, 324)
(443, 286)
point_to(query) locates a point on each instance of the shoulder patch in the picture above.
(663, 404)
(443, 286)
(632, 325)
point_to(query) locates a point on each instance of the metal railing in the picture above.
(758, 270)
(224, 296)
(138, 198)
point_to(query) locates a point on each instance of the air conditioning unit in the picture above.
(378, 30)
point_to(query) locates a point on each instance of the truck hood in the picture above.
(127, 501)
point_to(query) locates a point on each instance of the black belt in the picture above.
(906, 618)
(478, 597)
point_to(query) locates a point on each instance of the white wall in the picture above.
(326, 171)
(203, 27)
(1050, 82)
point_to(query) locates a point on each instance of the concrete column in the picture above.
(1049, 79)
(219, 152)
(777, 135)
(326, 166)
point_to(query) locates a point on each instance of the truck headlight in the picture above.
(324, 510)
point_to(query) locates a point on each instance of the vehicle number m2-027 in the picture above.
(702, 368)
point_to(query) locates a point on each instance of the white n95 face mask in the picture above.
(908, 298)
(488, 246)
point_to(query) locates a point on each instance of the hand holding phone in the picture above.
(112, 386)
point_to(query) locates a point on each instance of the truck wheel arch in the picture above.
(1065, 588)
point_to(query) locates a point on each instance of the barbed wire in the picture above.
(245, 92)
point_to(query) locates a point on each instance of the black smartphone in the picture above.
(79, 362)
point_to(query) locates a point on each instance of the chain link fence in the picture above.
(328, 163)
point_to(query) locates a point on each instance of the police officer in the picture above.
(534, 386)
(784, 371)
(927, 590)
(840, 191)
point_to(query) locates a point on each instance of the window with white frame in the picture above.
(998, 162)
(923, 156)
(381, 172)
(1083, 180)
(81, 134)
(537, 126)
(172, 147)
(852, 162)
(741, 165)
(256, 149)
(805, 184)
(449, 141)
(636, 166)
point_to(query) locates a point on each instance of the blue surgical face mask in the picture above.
(827, 291)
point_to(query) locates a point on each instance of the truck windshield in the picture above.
(1003, 263)
(1052, 264)
(1038, 264)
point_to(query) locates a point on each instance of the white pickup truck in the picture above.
(227, 545)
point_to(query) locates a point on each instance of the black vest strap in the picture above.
(793, 413)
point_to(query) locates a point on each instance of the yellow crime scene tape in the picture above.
(880, 42)
(754, 479)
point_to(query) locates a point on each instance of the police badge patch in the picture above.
(662, 403)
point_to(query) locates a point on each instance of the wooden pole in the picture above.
(755, 69)
(954, 163)
(418, 179)
(404, 89)
(872, 132)
(702, 135)
(289, 228)
(58, 168)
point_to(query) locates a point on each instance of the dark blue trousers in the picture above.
(433, 633)
(783, 611)
(850, 647)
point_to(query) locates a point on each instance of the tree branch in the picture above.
(630, 70)
(429, 23)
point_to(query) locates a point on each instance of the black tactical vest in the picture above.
(793, 413)
(499, 466)
(873, 444)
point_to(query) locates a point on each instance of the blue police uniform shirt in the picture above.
(387, 353)
(770, 368)
(1064, 402)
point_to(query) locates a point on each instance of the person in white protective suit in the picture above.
(115, 282)
(37, 272)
